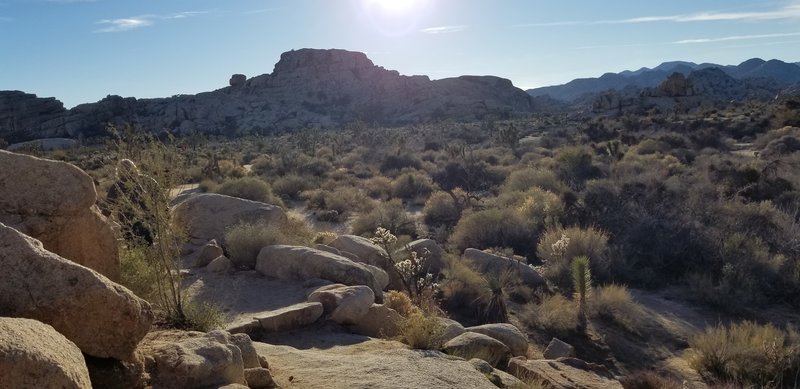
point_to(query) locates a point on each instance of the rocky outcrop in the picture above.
(102, 318)
(54, 202)
(474, 345)
(487, 263)
(303, 263)
(289, 318)
(380, 321)
(564, 373)
(34, 355)
(344, 304)
(197, 360)
(557, 348)
(207, 216)
(307, 87)
(22, 113)
(507, 333)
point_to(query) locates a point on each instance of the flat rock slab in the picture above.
(507, 333)
(289, 318)
(351, 362)
(564, 373)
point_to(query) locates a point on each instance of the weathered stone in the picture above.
(295, 316)
(53, 202)
(258, 377)
(494, 264)
(345, 304)
(245, 345)
(220, 265)
(209, 252)
(196, 362)
(380, 321)
(303, 263)
(507, 333)
(558, 349)
(564, 373)
(474, 345)
(237, 80)
(34, 355)
(207, 216)
(102, 318)
(452, 328)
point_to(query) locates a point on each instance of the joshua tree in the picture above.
(581, 283)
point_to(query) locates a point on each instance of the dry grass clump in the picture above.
(649, 380)
(249, 188)
(202, 316)
(291, 186)
(494, 228)
(400, 302)
(422, 331)
(410, 185)
(390, 215)
(615, 303)
(244, 241)
(555, 314)
(747, 354)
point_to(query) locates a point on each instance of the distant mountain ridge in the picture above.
(783, 73)
(307, 88)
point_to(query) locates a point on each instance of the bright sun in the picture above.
(396, 6)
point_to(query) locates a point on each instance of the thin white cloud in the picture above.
(735, 38)
(124, 24)
(136, 22)
(791, 11)
(260, 11)
(443, 29)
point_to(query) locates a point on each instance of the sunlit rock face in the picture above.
(307, 88)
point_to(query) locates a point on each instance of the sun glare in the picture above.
(396, 17)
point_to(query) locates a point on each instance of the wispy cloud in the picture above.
(443, 29)
(791, 11)
(260, 11)
(735, 38)
(136, 22)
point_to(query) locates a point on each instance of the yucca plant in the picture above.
(581, 283)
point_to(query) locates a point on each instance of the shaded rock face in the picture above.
(507, 333)
(20, 112)
(54, 202)
(474, 345)
(307, 87)
(487, 263)
(34, 355)
(102, 318)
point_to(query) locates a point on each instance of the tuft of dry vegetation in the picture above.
(615, 303)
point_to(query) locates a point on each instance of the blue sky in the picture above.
(82, 50)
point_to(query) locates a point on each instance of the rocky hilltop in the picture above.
(307, 88)
(776, 72)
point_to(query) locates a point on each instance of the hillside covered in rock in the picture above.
(307, 88)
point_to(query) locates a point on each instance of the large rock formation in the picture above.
(34, 355)
(54, 202)
(308, 87)
(564, 373)
(21, 114)
(102, 318)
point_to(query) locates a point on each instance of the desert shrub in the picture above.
(290, 186)
(615, 303)
(748, 354)
(412, 184)
(231, 169)
(249, 188)
(575, 166)
(390, 215)
(202, 316)
(494, 228)
(541, 207)
(137, 273)
(558, 246)
(378, 187)
(207, 186)
(524, 179)
(244, 241)
(651, 146)
(262, 165)
(400, 162)
(649, 380)
(400, 302)
(555, 314)
(342, 199)
(462, 287)
(441, 209)
(422, 331)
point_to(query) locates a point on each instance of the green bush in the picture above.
(441, 209)
(411, 185)
(244, 241)
(249, 188)
(495, 228)
(390, 215)
(747, 354)
(137, 273)
(558, 246)
(291, 186)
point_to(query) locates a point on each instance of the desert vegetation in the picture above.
(601, 208)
